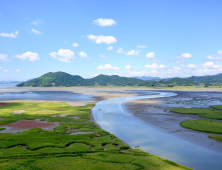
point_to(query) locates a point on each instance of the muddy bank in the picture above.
(156, 113)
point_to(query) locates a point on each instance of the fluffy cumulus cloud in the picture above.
(31, 56)
(36, 32)
(192, 66)
(220, 52)
(64, 55)
(155, 66)
(150, 55)
(104, 22)
(187, 55)
(17, 70)
(110, 48)
(128, 67)
(141, 46)
(214, 58)
(36, 22)
(83, 55)
(131, 52)
(102, 39)
(4, 57)
(12, 35)
(5, 71)
(107, 67)
(210, 65)
(75, 44)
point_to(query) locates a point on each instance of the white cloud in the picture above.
(120, 51)
(128, 67)
(141, 46)
(104, 22)
(17, 70)
(133, 52)
(162, 66)
(110, 48)
(36, 22)
(187, 55)
(150, 55)
(102, 56)
(1, 68)
(220, 52)
(5, 71)
(210, 65)
(155, 66)
(3, 57)
(93, 75)
(75, 44)
(107, 67)
(36, 32)
(12, 35)
(192, 66)
(176, 68)
(214, 58)
(102, 39)
(28, 55)
(64, 55)
(83, 55)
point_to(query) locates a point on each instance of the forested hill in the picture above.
(211, 80)
(59, 79)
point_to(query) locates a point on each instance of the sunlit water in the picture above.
(111, 116)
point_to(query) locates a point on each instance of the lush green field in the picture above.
(43, 149)
(208, 113)
(208, 126)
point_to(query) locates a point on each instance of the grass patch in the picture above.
(208, 126)
(43, 149)
(2, 128)
(207, 113)
(217, 138)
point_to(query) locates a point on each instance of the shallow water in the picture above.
(111, 116)
(45, 95)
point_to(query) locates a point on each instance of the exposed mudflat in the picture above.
(23, 125)
(156, 113)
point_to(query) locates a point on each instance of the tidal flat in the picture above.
(154, 112)
(36, 148)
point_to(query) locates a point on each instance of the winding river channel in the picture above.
(111, 116)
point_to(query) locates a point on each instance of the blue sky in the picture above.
(128, 38)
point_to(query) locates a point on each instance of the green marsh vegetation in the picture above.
(207, 113)
(209, 126)
(59, 149)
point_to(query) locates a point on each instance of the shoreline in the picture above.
(151, 111)
(155, 113)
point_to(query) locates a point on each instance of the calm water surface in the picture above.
(114, 119)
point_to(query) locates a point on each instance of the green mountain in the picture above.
(59, 79)
(209, 80)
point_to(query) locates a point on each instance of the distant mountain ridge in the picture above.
(61, 79)
(58, 79)
(149, 78)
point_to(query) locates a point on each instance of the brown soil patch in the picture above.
(28, 124)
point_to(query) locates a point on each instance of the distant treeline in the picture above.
(61, 79)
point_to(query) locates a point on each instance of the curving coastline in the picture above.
(113, 118)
